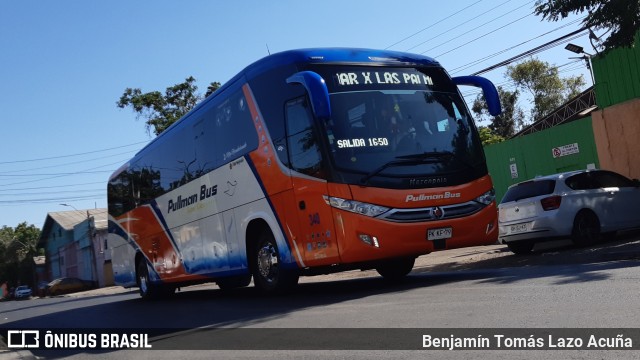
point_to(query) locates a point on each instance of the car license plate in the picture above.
(440, 233)
(518, 228)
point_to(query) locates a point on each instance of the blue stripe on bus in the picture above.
(284, 253)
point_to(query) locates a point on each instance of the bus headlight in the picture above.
(487, 198)
(355, 206)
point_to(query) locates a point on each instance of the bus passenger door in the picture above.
(316, 240)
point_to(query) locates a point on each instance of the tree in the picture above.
(160, 111)
(545, 85)
(542, 81)
(622, 17)
(512, 116)
(488, 136)
(17, 249)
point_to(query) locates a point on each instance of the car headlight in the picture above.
(487, 198)
(355, 206)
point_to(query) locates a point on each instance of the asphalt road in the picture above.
(486, 287)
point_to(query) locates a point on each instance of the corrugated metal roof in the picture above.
(69, 219)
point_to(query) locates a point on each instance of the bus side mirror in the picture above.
(489, 90)
(317, 90)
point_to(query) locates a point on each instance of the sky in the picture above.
(64, 65)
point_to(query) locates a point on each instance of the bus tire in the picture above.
(234, 282)
(268, 274)
(396, 269)
(147, 289)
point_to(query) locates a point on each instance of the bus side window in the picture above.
(304, 153)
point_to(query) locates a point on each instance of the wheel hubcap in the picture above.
(143, 284)
(267, 262)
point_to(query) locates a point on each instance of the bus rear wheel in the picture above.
(147, 289)
(396, 269)
(268, 274)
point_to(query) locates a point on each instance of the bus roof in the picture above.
(312, 56)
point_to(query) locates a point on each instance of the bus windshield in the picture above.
(399, 122)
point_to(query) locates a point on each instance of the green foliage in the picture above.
(17, 249)
(488, 137)
(161, 110)
(621, 17)
(511, 117)
(542, 80)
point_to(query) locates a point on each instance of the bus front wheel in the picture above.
(396, 269)
(149, 290)
(268, 274)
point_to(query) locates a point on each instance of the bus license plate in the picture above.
(441, 233)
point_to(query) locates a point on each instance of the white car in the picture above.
(22, 292)
(578, 204)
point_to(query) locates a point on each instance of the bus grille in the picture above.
(433, 213)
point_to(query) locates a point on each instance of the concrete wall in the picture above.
(616, 132)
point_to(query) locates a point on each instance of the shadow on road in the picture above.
(211, 308)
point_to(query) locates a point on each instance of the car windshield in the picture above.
(529, 189)
(399, 122)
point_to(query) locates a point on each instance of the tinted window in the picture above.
(303, 143)
(529, 189)
(381, 114)
(584, 181)
(598, 179)
(610, 179)
(219, 132)
(271, 90)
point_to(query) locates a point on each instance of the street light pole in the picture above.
(585, 56)
(71, 206)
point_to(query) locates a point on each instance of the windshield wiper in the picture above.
(433, 155)
(414, 159)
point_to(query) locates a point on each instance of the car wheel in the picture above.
(586, 228)
(520, 248)
(396, 269)
(268, 274)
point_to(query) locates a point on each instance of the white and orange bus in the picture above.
(306, 162)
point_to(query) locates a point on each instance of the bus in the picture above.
(307, 162)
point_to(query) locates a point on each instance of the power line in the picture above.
(432, 25)
(476, 28)
(483, 35)
(533, 51)
(70, 163)
(70, 155)
(468, 65)
(56, 186)
(62, 175)
(50, 192)
(451, 28)
(51, 200)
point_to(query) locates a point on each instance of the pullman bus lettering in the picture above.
(422, 197)
(206, 192)
(181, 203)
